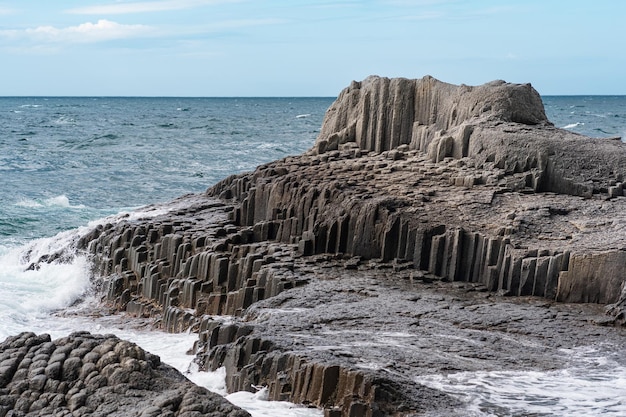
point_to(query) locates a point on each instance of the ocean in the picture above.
(67, 163)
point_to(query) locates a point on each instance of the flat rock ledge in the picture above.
(92, 375)
(432, 228)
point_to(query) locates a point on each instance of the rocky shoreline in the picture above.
(91, 375)
(432, 228)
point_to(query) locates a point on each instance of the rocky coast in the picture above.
(432, 228)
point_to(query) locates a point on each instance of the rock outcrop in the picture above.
(410, 181)
(497, 122)
(89, 375)
(380, 114)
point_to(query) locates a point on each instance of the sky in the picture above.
(253, 48)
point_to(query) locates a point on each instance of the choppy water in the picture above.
(68, 162)
(595, 116)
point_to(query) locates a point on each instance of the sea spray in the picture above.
(30, 292)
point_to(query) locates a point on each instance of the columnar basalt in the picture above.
(192, 258)
(253, 361)
(448, 218)
(422, 180)
(498, 122)
(89, 375)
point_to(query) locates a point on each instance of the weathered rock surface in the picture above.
(89, 375)
(416, 195)
(497, 122)
(359, 341)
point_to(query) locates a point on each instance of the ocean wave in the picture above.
(604, 132)
(111, 136)
(27, 292)
(27, 202)
(268, 146)
(573, 125)
(58, 201)
(65, 120)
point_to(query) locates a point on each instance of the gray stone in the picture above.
(71, 368)
(467, 190)
(135, 386)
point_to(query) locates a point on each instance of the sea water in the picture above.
(594, 116)
(66, 163)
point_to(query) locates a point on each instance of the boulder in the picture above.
(40, 377)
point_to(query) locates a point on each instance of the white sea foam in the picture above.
(172, 349)
(60, 201)
(29, 203)
(573, 125)
(258, 406)
(57, 201)
(28, 296)
(65, 120)
(594, 384)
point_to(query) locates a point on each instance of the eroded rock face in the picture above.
(496, 122)
(425, 181)
(90, 375)
(381, 113)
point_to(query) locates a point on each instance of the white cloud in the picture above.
(102, 30)
(145, 6)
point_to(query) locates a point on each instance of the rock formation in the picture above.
(414, 190)
(87, 375)
(497, 122)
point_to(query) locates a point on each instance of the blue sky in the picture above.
(305, 48)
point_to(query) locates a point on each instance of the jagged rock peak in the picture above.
(380, 113)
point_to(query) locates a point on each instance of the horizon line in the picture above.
(249, 97)
(155, 96)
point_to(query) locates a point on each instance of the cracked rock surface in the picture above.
(91, 375)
